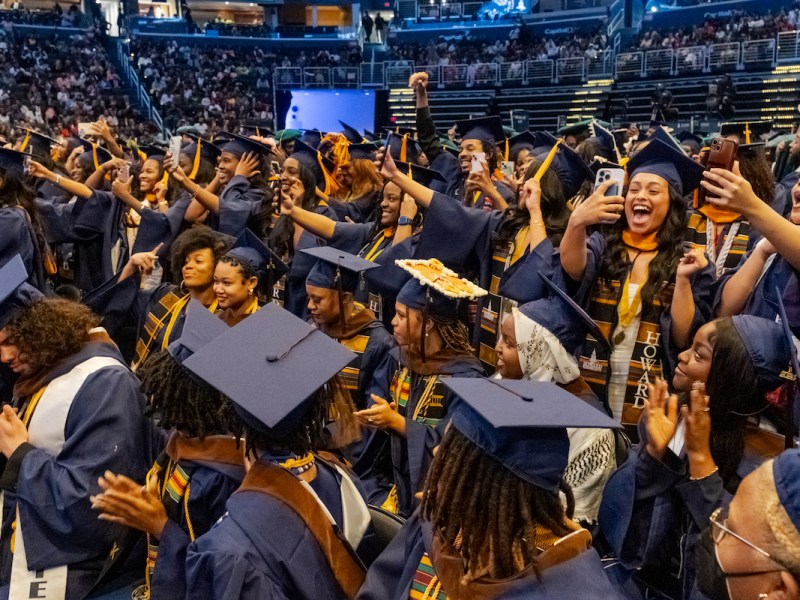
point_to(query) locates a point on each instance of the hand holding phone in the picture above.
(478, 158)
(615, 175)
(721, 155)
(175, 144)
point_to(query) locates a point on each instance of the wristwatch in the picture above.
(404, 221)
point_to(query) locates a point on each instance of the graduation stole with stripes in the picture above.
(401, 391)
(426, 585)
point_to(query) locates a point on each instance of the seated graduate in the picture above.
(305, 182)
(161, 313)
(693, 456)
(237, 196)
(186, 489)
(492, 523)
(331, 286)
(409, 399)
(392, 235)
(244, 277)
(19, 218)
(76, 413)
(752, 547)
(291, 529)
(538, 342)
(501, 245)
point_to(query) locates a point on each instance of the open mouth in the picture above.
(640, 214)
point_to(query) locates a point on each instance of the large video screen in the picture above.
(322, 109)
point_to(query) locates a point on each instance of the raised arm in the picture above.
(72, 187)
(417, 191)
(314, 223)
(203, 198)
(740, 285)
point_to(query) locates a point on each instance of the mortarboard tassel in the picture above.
(508, 151)
(404, 148)
(331, 187)
(26, 140)
(196, 163)
(746, 132)
(547, 161)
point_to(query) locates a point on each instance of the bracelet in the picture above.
(58, 179)
(537, 222)
(704, 476)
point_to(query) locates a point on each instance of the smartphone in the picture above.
(26, 164)
(175, 145)
(507, 168)
(276, 168)
(721, 155)
(124, 172)
(385, 151)
(478, 158)
(615, 175)
(84, 129)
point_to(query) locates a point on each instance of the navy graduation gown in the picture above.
(17, 237)
(391, 576)
(242, 558)
(239, 203)
(652, 513)
(359, 209)
(103, 430)
(427, 407)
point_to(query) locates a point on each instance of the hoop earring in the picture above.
(183, 287)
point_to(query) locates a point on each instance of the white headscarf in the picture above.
(541, 355)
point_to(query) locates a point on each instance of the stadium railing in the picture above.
(130, 75)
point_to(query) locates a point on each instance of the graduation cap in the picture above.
(311, 137)
(660, 133)
(543, 141)
(250, 250)
(768, 347)
(677, 169)
(435, 290)
(287, 135)
(523, 424)
(566, 164)
(692, 140)
(98, 153)
(580, 127)
(600, 163)
(747, 131)
(563, 317)
(270, 365)
(13, 161)
(263, 130)
(36, 143)
(606, 141)
(420, 174)
(151, 151)
(484, 129)
(200, 327)
(371, 136)
(337, 270)
(404, 148)
(786, 472)
(450, 146)
(238, 145)
(351, 133)
(400, 130)
(322, 168)
(363, 151)
(750, 150)
(516, 144)
(200, 149)
(15, 293)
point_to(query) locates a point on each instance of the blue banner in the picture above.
(695, 15)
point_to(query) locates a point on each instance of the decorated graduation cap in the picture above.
(321, 167)
(420, 174)
(562, 316)
(15, 293)
(311, 137)
(337, 270)
(404, 148)
(13, 161)
(566, 164)
(351, 133)
(523, 424)
(270, 365)
(786, 472)
(677, 169)
(200, 149)
(239, 145)
(516, 144)
(248, 249)
(36, 143)
(435, 290)
(484, 129)
(200, 328)
(768, 348)
(747, 131)
(364, 151)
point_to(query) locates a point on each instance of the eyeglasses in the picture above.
(719, 529)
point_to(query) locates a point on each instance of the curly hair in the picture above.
(50, 330)
(670, 238)
(755, 168)
(181, 401)
(487, 513)
(196, 238)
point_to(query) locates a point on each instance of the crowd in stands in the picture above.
(52, 84)
(55, 17)
(518, 47)
(217, 88)
(741, 28)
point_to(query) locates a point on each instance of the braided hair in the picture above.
(487, 513)
(454, 334)
(181, 401)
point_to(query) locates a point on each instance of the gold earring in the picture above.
(250, 292)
